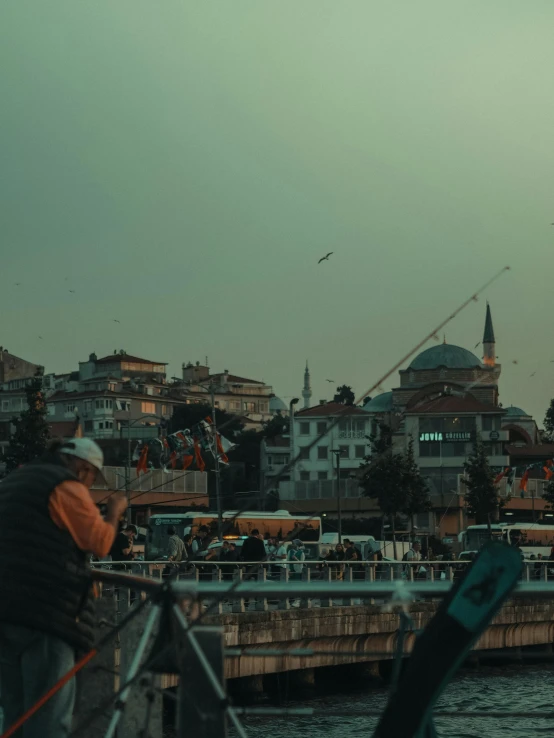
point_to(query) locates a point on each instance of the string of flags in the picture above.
(183, 449)
(510, 473)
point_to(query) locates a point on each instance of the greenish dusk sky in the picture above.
(183, 165)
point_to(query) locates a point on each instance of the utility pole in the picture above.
(217, 469)
(339, 508)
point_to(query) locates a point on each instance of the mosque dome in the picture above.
(516, 411)
(447, 356)
(276, 405)
(379, 404)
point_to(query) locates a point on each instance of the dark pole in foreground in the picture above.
(339, 508)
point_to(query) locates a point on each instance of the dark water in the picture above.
(529, 688)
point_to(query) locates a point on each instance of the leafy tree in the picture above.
(187, 416)
(31, 435)
(344, 395)
(549, 422)
(549, 494)
(416, 488)
(482, 499)
(278, 425)
(393, 479)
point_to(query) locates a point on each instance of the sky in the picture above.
(183, 165)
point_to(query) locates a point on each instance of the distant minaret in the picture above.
(489, 353)
(307, 391)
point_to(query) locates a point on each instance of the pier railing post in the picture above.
(284, 604)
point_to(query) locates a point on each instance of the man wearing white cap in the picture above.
(48, 525)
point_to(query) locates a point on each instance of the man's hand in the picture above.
(117, 504)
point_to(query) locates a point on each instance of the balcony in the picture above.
(175, 482)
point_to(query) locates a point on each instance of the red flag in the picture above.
(141, 463)
(187, 461)
(173, 459)
(548, 472)
(165, 443)
(523, 483)
(199, 460)
(501, 475)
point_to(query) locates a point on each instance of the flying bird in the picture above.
(325, 258)
(330, 380)
(18, 284)
(41, 338)
(116, 321)
(514, 361)
(532, 375)
(72, 292)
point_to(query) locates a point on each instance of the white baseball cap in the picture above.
(86, 449)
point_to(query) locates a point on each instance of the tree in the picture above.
(278, 425)
(416, 488)
(344, 395)
(549, 494)
(187, 416)
(482, 499)
(31, 435)
(393, 479)
(549, 422)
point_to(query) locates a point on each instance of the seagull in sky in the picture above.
(330, 380)
(18, 284)
(477, 344)
(72, 292)
(514, 361)
(116, 321)
(532, 375)
(326, 257)
(41, 338)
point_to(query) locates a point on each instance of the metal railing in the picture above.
(174, 481)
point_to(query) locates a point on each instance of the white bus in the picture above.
(531, 538)
(281, 523)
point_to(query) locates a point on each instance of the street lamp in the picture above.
(337, 453)
(292, 403)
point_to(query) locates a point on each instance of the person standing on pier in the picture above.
(48, 526)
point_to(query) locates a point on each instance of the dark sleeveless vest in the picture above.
(44, 578)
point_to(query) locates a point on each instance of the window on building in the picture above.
(492, 449)
(99, 404)
(323, 452)
(491, 422)
(304, 476)
(164, 409)
(148, 408)
(88, 425)
(304, 429)
(5, 406)
(111, 387)
(346, 474)
(250, 407)
(109, 424)
(344, 452)
(359, 452)
(304, 452)
(322, 476)
(321, 427)
(88, 406)
(70, 408)
(109, 404)
(100, 426)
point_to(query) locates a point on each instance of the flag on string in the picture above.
(501, 476)
(141, 464)
(221, 452)
(187, 461)
(200, 463)
(548, 471)
(511, 479)
(523, 482)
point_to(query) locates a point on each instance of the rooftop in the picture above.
(118, 358)
(537, 451)
(380, 403)
(330, 408)
(461, 405)
(516, 412)
(445, 356)
(233, 379)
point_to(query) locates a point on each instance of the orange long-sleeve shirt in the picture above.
(72, 508)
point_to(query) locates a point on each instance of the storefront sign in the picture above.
(447, 437)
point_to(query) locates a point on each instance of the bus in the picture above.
(235, 525)
(531, 538)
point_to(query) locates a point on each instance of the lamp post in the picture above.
(337, 453)
(292, 403)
